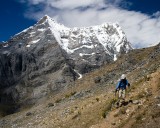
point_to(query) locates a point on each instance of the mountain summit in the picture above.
(84, 41)
(48, 56)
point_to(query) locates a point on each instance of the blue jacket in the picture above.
(122, 84)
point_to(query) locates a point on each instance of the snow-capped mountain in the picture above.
(79, 42)
(48, 56)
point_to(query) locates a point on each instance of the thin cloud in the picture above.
(141, 29)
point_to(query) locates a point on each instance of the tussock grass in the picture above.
(108, 107)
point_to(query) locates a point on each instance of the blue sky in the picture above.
(140, 19)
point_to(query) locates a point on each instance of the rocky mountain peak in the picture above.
(78, 41)
(48, 56)
(43, 19)
(47, 20)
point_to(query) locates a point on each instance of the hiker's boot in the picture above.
(117, 105)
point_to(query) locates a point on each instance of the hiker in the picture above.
(121, 87)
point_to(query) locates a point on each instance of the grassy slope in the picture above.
(88, 104)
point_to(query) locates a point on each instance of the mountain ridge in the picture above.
(61, 33)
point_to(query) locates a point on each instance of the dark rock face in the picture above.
(31, 73)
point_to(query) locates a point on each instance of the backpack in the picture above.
(123, 83)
